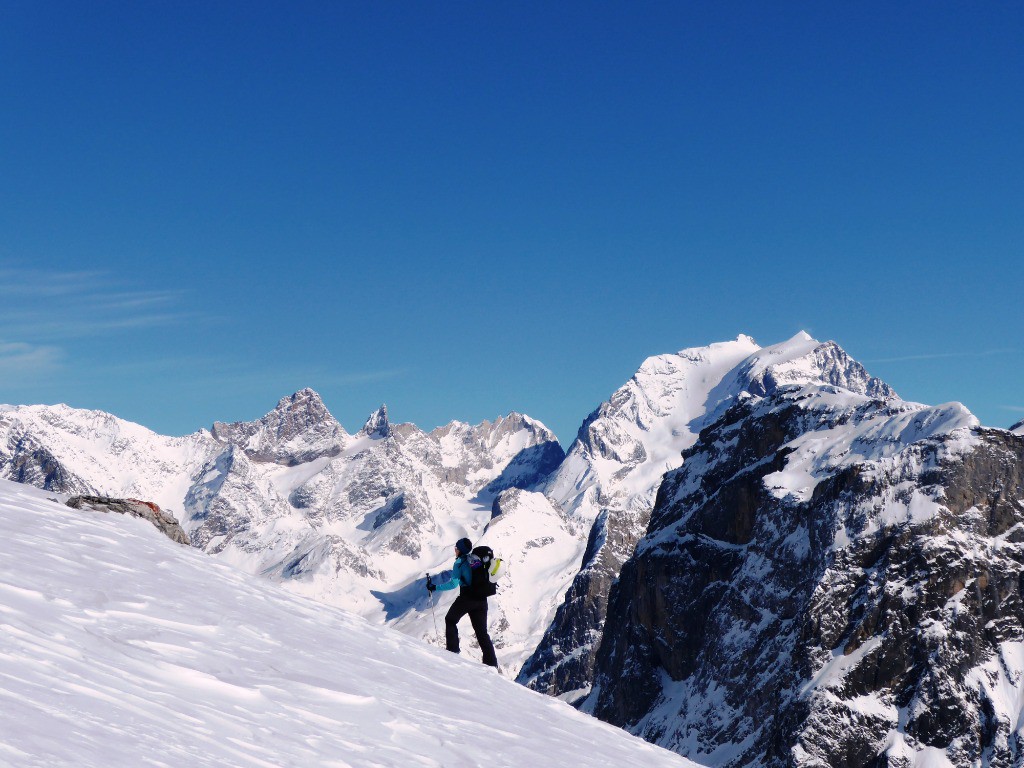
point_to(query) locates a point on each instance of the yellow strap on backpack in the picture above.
(498, 569)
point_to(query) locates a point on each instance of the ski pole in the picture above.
(430, 597)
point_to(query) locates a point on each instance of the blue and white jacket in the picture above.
(462, 574)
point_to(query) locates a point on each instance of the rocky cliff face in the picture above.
(608, 481)
(832, 578)
(606, 488)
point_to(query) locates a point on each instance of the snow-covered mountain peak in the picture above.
(90, 425)
(377, 425)
(305, 405)
(651, 419)
(298, 430)
(511, 451)
(74, 450)
(800, 361)
(505, 429)
(1018, 428)
(608, 482)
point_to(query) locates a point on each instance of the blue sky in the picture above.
(462, 209)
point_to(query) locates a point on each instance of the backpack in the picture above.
(486, 569)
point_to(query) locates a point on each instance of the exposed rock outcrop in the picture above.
(147, 510)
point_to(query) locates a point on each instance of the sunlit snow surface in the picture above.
(121, 648)
(318, 527)
(641, 431)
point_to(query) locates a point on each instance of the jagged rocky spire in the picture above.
(378, 425)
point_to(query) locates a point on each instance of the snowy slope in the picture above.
(121, 648)
(352, 520)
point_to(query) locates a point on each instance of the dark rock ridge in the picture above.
(856, 621)
(147, 510)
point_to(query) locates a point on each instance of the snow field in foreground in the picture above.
(120, 648)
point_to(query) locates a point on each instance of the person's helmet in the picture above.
(463, 546)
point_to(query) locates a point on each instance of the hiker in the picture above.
(466, 602)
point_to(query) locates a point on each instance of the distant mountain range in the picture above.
(748, 555)
(354, 520)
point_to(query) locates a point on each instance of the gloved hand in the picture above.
(431, 586)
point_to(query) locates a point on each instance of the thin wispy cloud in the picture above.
(79, 326)
(210, 372)
(21, 359)
(40, 283)
(1015, 408)
(51, 306)
(939, 356)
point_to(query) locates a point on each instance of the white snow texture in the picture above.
(120, 648)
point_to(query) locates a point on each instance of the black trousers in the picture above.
(477, 610)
